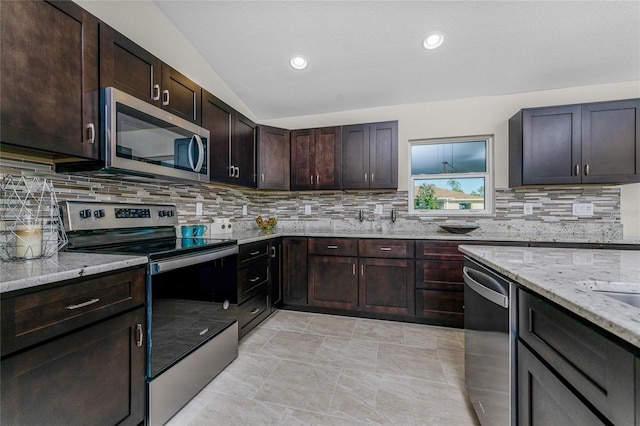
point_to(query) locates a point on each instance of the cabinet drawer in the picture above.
(31, 318)
(254, 310)
(333, 246)
(250, 278)
(439, 275)
(595, 366)
(442, 250)
(399, 249)
(252, 251)
(441, 307)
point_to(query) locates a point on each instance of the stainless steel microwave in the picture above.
(144, 140)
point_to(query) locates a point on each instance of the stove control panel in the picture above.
(87, 215)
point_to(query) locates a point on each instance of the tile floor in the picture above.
(301, 368)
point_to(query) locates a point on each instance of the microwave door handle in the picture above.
(200, 153)
(189, 153)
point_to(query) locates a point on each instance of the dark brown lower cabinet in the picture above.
(386, 286)
(333, 282)
(91, 377)
(441, 307)
(294, 271)
(544, 399)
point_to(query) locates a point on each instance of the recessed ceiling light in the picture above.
(298, 62)
(433, 41)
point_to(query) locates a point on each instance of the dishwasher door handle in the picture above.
(497, 294)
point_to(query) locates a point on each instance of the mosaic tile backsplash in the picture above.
(339, 210)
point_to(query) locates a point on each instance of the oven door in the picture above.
(192, 332)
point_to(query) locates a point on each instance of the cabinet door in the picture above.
(611, 142)
(294, 265)
(441, 307)
(93, 377)
(543, 399)
(386, 286)
(276, 272)
(180, 96)
(302, 159)
(273, 158)
(355, 157)
(328, 158)
(333, 282)
(49, 77)
(217, 118)
(128, 67)
(551, 145)
(383, 155)
(243, 150)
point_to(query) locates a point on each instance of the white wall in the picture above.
(479, 116)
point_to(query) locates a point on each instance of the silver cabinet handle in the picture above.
(253, 253)
(332, 247)
(83, 304)
(354, 269)
(155, 92)
(576, 170)
(311, 178)
(91, 133)
(232, 171)
(362, 270)
(385, 248)
(586, 170)
(365, 177)
(237, 173)
(372, 176)
(273, 251)
(262, 176)
(255, 311)
(253, 280)
(165, 97)
(139, 335)
(317, 179)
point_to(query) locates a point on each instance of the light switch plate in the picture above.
(378, 209)
(244, 210)
(198, 209)
(582, 209)
(528, 208)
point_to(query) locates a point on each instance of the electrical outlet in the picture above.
(528, 208)
(198, 209)
(307, 210)
(244, 211)
(378, 209)
(582, 209)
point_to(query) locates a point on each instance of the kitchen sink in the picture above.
(628, 293)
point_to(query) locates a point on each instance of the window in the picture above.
(451, 176)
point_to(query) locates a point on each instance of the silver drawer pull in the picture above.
(140, 336)
(205, 331)
(385, 248)
(332, 247)
(255, 311)
(254, 253)
(82, 305)
(253, 280)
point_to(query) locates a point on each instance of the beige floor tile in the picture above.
(332, 325)
(245, 376)
(442, 404)
(288, 320)
(410, 361)
(433, 337)
(379, 331)
(298, 417)
(256, 339)
(300, 385)
(347, 353)
(292, 345)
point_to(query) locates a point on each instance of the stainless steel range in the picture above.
(191, 305)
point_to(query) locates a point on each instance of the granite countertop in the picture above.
(248, 236)
(569, 277)
(61, 266)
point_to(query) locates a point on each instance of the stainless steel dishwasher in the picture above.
(489, 336)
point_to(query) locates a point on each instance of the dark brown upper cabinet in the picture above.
(316, 158)
(49, 77)
(130, 68)
(575, 144)
(273, 158)
(370, 156)
(232, 143)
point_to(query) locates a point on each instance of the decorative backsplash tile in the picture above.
(338, 210)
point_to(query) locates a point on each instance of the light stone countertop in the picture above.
(568, 278)
(61, 266)
(249, 236)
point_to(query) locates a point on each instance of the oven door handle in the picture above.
(160, 266)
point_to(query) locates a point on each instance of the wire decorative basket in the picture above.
(30, 222)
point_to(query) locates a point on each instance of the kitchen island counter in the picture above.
(59, 267)
(569, 277)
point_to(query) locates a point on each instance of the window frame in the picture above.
(488, 175)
